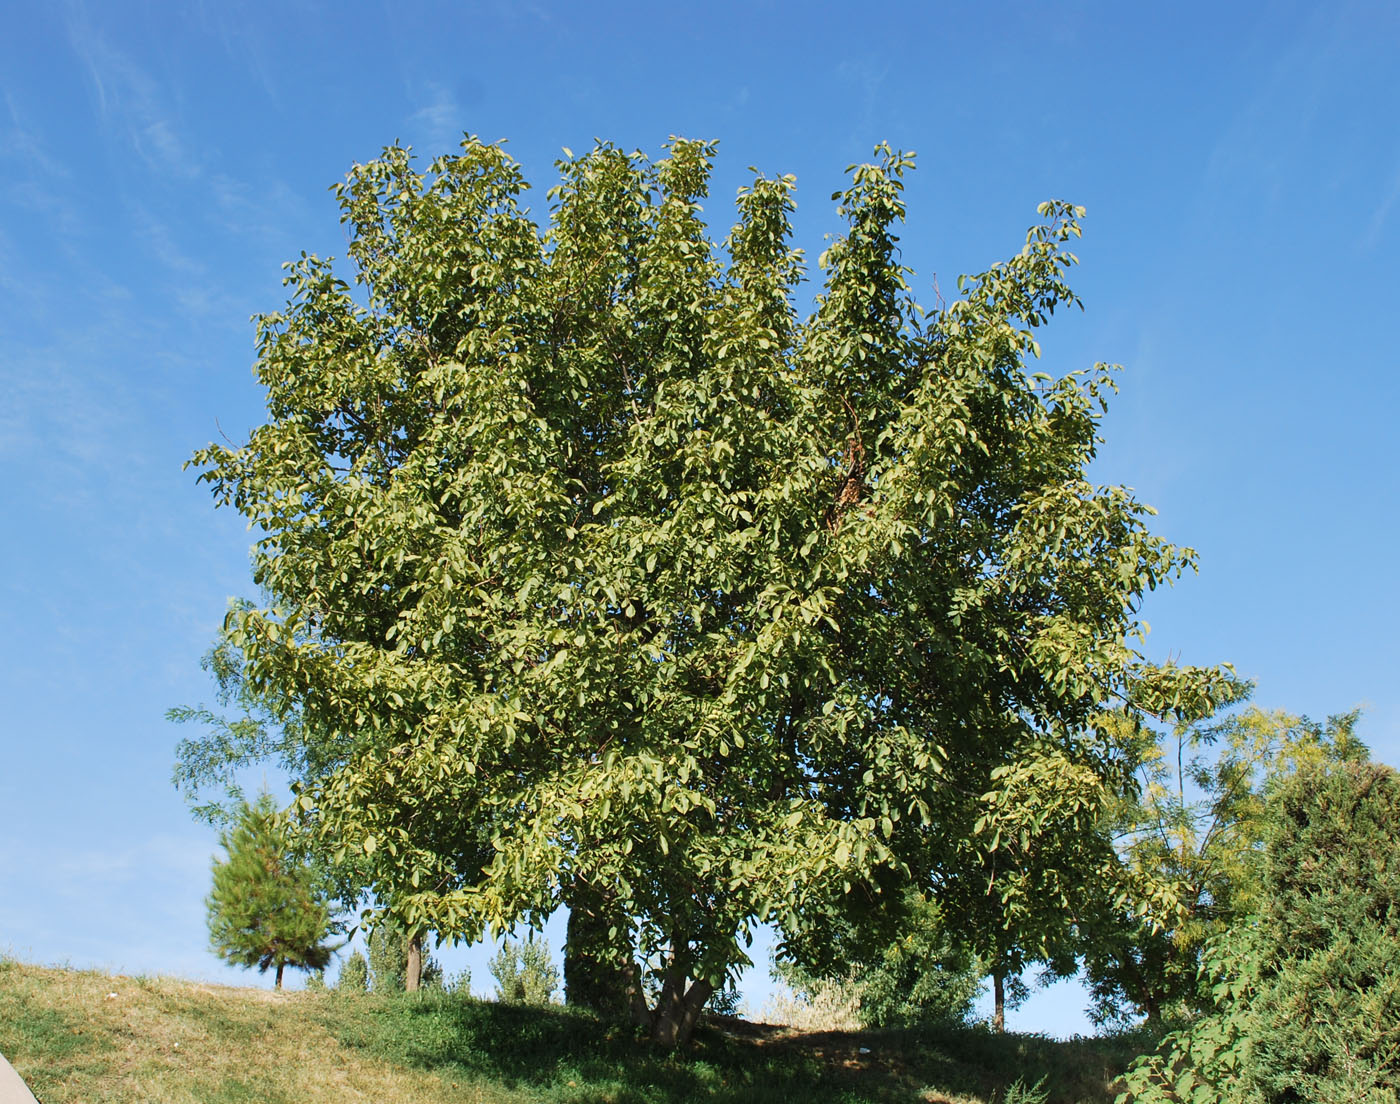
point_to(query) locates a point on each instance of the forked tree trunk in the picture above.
(413, 970)
(601, 973)
(999, 996)
(678, 1010)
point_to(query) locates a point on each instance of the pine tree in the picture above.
(265, 908)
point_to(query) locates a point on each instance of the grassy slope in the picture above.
(92, 1037)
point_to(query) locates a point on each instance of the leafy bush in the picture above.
(524, 973)
(1307, 994)
(458, 984)
(726, 1000)
(1018, 1092)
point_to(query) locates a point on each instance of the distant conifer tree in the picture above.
(266, 909)
(354, 975)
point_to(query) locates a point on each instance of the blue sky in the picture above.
(1241, 168)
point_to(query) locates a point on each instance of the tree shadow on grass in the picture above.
(558, 1054)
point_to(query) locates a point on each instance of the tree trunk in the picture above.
(280, 967)
(413, 970)
(678, 1010)
(636, 996)
(999, 996)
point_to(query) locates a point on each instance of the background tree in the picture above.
(266, 909)
(607, 582)
(524, 971)
(397, 961)
(1305, 992)
(354, 974)
(1023, 876)
(1191, 850)
(893, 957)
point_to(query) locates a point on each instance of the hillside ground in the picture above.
(83, 1037)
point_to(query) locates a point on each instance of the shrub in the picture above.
(458, 984)
(1307, 994)
(1328, 1004)
(524, 973)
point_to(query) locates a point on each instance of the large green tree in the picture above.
(266, 908)
(603, 579)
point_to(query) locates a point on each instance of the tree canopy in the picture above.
(596, 573)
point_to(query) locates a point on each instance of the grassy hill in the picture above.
(83, 1036)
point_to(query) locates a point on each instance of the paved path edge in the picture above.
(13, 1090)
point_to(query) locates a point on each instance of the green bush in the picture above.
(459, 984)
(524, 973)
(1307, 993)
(1328, 1003)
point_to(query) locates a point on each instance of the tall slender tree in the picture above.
(266, 909)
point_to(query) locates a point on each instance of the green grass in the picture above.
(164, 1040)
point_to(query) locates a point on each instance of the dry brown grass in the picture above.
(94, 1038)
(87, 1037)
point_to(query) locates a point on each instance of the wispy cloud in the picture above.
(129, 98)
(1271, 130)
(1379, 216)
(262, 209)
(38, 182)
(244, 40)
(438, 124)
